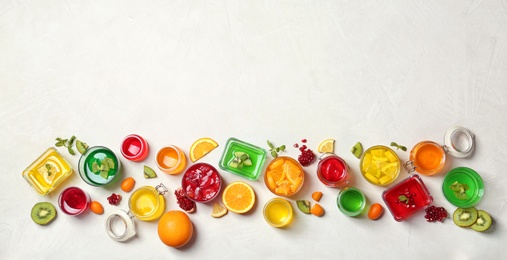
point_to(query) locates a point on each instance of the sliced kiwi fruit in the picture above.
(483, 221)
(240, 159)
(149, 173)
(465, 217)
(43, 213)
(357, 150)
(81, 147)
(304, 206)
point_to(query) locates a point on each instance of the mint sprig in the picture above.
(398, 147)
(68, 143)
(275, 150)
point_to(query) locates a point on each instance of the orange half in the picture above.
(238, 197)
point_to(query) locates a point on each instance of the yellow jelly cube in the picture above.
(376, 152)
(366, 161)
(390, 156)
(371, 178)
(385, 179)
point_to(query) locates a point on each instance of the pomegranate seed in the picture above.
(303, 141)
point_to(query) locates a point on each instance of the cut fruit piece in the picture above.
(483, 221)
(317, 210)
(238, 197)
(201, 147)
(464, 217)
(304, 206)
(149, 173)
(183, 201)
(327, 146)
(218, 211)
(371, 178)
(316, 196)
(43, 213)
(81, 147)
(357, 150)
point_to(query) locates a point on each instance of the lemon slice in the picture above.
(218, 211)
(201, 147)
(327, 146)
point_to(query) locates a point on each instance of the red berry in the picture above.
(114, 199)
(306, 157)
(303, 141)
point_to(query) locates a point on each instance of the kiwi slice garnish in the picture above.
(81, 147)
(304, 206)
(43, 213)
(483, 221)
(357, 150)
(149, 173)
(465, 217)
(240, 159)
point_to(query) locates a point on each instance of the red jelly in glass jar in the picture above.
(333, 171)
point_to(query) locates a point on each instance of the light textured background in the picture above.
(175, 71)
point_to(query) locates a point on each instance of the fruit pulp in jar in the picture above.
(47, 172)
(98, 156)
(201, 182)
(134, 148)
(147, 204)
(73, 201)
(380, 165)
(412, 188)
(278, 212)
(428, 157)
(332, 171)
(171, 160)
(351, 201)
(284, 176)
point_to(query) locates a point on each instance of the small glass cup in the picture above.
(284, 176)
(278, 212)
(148, 203)
(91, 168)
(351, 201)
(380, 165)
(171, 159)
(208, 185)
(73, 201)
(332, 171)
(134, 148)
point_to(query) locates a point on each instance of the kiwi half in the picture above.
(483, 221)
(465, 217)
(149, 173)
(304, 206)
(43, 213)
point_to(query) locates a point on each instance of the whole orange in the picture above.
(175, 228)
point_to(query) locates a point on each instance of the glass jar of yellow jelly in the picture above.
(428, 157)
(380, 165)
(146, 203)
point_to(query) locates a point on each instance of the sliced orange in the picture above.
(238, 197)
(292, 171)
(218, 211)
(326, 146)
(201, 147)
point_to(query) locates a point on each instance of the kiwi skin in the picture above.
(458, 216)
(43, 213)
(483, 222)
